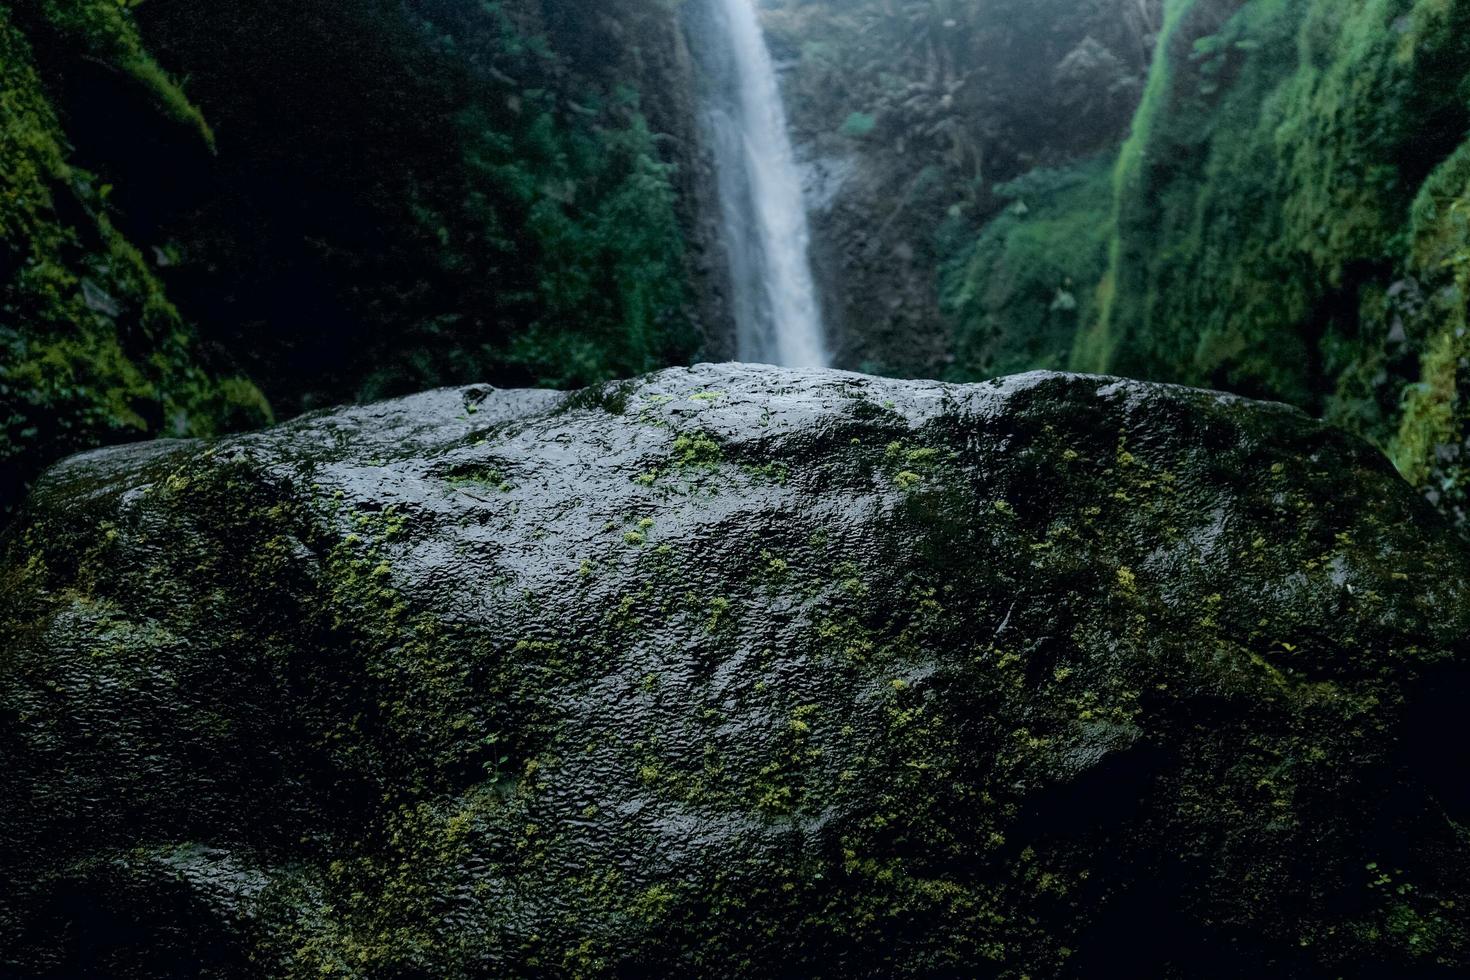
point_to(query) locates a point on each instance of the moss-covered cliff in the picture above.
(1291, 218)
(353, 198)
(91, 348)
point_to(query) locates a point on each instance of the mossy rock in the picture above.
(731, 671)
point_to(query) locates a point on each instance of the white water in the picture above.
(777, 315)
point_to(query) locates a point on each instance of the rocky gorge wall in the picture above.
(1292, 219)
(92, 349)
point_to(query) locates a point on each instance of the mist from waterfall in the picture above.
(777, 314)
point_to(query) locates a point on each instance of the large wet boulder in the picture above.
(733, 671)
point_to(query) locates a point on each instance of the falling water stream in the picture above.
(777, 314)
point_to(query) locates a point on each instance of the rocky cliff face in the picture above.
(729, 671)
(92, 349)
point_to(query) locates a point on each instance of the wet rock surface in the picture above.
(732, 671)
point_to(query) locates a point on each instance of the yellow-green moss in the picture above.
(1434, 409)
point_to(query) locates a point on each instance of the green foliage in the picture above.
(1018, 293)
(602, 231)
(1265, 210)
(1430, 444)
(459, 192)
(571, 203)
(91, 350)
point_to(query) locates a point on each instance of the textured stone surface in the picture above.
(735, 671)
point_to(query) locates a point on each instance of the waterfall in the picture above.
(774, 297)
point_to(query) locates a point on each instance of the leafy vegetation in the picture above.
(1019, 291)
(471, 191)
(1287, 218)
(397, 198)
(91, 349)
